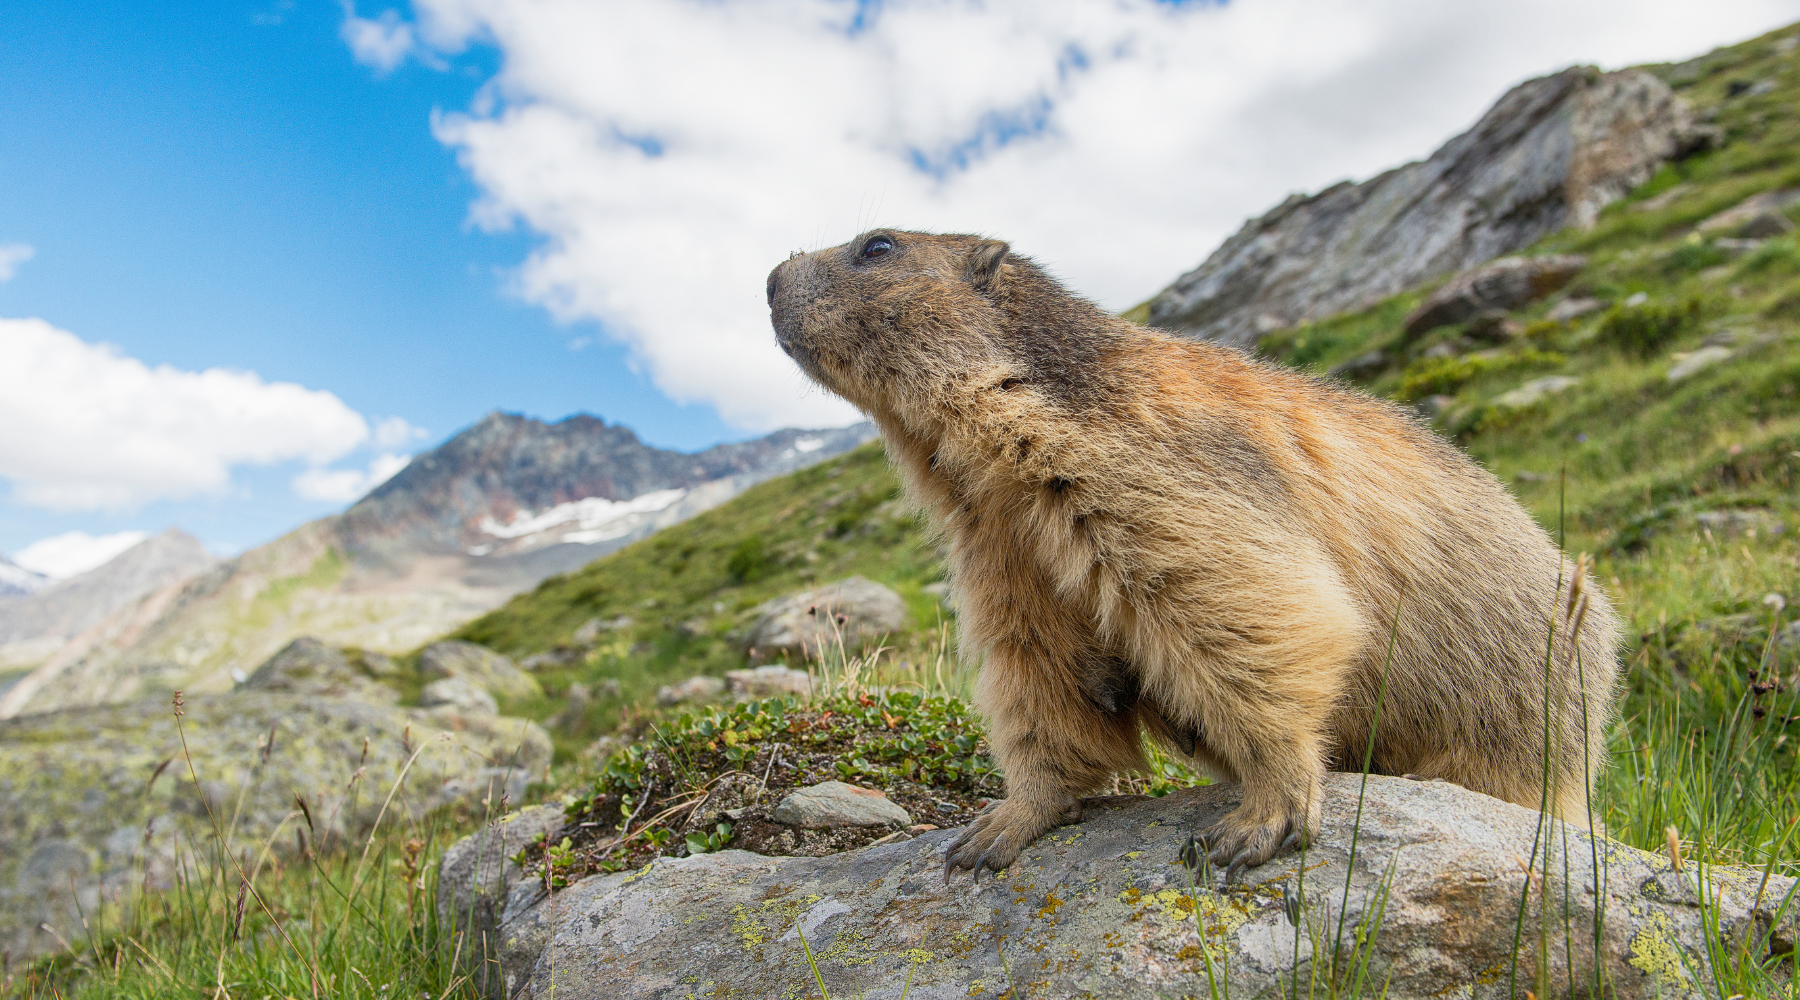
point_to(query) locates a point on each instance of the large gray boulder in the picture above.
(1103, 909)
(98, 801)
(1504, 284)
(479, 665)
(1551, 153)
(308, 666)
(855, 609)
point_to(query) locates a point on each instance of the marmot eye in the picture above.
(876, 247)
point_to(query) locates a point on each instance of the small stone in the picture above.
(1446, 349)
(1535, 390)
(1493, 326)
(1574, 308)
(1734, 247)
(1361, 365)
(1764, 225)
(1733, 220)
(379, 664)
(854, 610)
(1433, 407)
(461, 694)
(1692, 362)
(938, 590)
(561, 656)
(701, 688)
(1740, 522)
(768, 681)
(834, 804)
(1636, 299)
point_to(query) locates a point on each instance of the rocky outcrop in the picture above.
(1103, 909)
(97, 802)
(853, 609)
(1551, 153)
(480, 665)
(1504, 285)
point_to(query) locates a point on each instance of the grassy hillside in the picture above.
(680, 596)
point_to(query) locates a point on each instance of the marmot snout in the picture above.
(1150, 535)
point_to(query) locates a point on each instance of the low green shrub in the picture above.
(1644, 329)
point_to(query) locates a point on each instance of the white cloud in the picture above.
(383, 42)
(86, 427)
(11, 256)
(345, 485)
(61, 556)
(669, 152)
(395, 432)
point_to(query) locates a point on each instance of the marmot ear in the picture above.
(983, 266)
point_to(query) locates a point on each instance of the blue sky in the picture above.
(221, 184)
(390, 218)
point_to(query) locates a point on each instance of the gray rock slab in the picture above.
(1550, 153)
(308, 666)
(698, 688)
(769, 681)
(1731, 221)
(855, 609)
(834, 803)
(1697, 361)
(477, 880)
(1102, 909)
(486, 668)
(459, 693)
(1535, 390)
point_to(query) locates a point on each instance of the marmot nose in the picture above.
(771, 286)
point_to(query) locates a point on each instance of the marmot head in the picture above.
(893, 319)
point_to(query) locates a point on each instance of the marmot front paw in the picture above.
(996, 837)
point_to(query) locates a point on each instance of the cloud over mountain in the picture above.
(670, 153)
(89, 428)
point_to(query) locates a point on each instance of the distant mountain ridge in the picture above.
(17, 581)
(66, 607)
(492, 511)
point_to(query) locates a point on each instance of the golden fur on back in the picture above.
(1149, 534)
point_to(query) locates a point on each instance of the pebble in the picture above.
(834, 804)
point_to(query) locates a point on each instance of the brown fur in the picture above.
(1149, 534)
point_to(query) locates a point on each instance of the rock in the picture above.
(1694, 361)
(459, 693)
(939, 590)
(1433, 407)
(378, 665)
(1444, 349)
(1361, 366)
(833, 803)
(1573, 308)
(1493, 326)
(308, 666)
(1741, 521)
(1101, 909)
(701, 688)
(1535, 390)
(485, 668)
(561, 656)
(1735, 248)
(1763, 225)
(1658, 202)
(1498, 286)
(1636, 299)
(477, 881)
(809, 622)
(1749, 88)
(1734, 220)
(1550, 153)
(103, 794)
(768, 681)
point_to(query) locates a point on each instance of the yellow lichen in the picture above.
(1655, 951)
(1051, 905)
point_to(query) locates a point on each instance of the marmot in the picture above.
(1152, 534)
